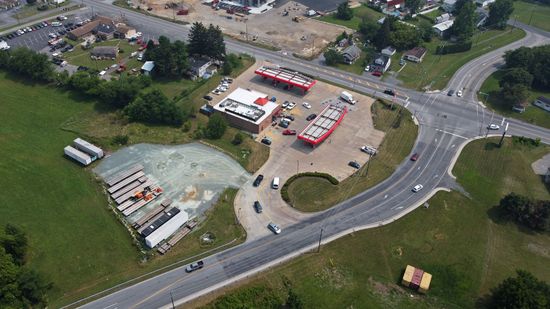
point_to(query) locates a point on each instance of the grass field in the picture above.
(532, 114)
(531, 13)
(358, 14)
(314, 194)
(435, 71)
(457, 239)
(81, 57)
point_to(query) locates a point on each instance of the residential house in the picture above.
(86, 29)
(388, 51)
(395, 4)
(543, 102)
(200, 67)
(104, 52)
(343, 42)
(57, 2)
(416, 54)
(4, 45)
(448, 5)
(105, 31)
(442, 28)
(484, 3)
(443, 17)
(124, 31)
(481, 17)
(351, 53)
(147, 67)
(381, 63)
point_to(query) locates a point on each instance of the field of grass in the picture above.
(531, 13)
(457, 239)
(532, 114)
(81, 57)
(435, 71)
(357, 67)
(314, 193)
(358, 14)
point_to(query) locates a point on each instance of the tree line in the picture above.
(534, 214)
(522, 291)
(20, 287)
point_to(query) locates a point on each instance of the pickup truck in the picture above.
(194, 266)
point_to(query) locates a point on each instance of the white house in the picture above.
(388, 51)
(4, 45)
(147, 67)
(443, 27)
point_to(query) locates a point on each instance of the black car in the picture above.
(389, 92)
(311, 117)
(266, 141)
(257, 207)
(82, 68)
(354, 164)
(258, 180)
(208, 98)
(282, 124)
(290, 117)
(451, 93)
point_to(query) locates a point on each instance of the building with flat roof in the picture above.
(248, 110)
(323, 125)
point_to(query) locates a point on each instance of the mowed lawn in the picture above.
(74, 237)
(532, 114)
(315, 194)
(457, 239)
(435, 71)
(358, 14)
(531, 13)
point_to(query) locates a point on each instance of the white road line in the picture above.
(450, 133)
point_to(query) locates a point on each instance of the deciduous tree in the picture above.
(464, 24)
(499, 12)
(522, 291)
(216, 126)
(344, 12)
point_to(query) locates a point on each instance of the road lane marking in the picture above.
(450, 133)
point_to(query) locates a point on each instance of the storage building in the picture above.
(88, 148)
(166, 229)
(407, 276)
(77, 155)
(160, 221)
(425, 283)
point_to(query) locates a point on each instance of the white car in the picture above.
(306, 105)
(417, 188)
(368, 149)
(216, 92)
(493, 126)
(274, 228)
(367, 68)
(291, 105)
(285, 104)
(459, 93)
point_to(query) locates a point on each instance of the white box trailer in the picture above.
(77, 155)
(167, 229)
(346, 96)
(88, 148)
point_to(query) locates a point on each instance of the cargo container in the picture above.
(425, 283)
(416, 279)
(88, 148)
(407, 276)
(77, 155)
(166, 229)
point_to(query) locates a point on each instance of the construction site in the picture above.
(284, 27)
(161, 191)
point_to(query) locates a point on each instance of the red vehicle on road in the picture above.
(377, 73)
(289, 132)
(414, 157)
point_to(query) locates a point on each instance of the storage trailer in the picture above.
(88, 148)
(77, 155)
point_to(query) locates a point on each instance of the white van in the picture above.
(346, 96)
(275, 183)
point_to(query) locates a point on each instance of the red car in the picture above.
(289, 132)
(414, 157)
(377, 73)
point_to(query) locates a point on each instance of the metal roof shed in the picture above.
(166, 229)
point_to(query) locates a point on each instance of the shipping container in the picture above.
(77, 155)
(425, 283)
(407, 276)
(88, 148)
(166, 229)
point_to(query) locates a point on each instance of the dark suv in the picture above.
(389, 92)
(258, 180)
(257, 207)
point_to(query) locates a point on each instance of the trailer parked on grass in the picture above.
(77, 155)
(88, 148)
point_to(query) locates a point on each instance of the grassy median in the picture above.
(314, 194)
(457, 239)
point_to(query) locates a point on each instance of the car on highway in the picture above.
(258, 207)
(369, 150)
(194, 266)
(389, 92)
(414, 157)
(289, 132)
(306, 105)
(417, 188)
(258, 180)
(266, 140)
(311, 117)
(274, 228)
(493, 126)
(451, 93)
(354, 164)
(459, 93)
(208, 98)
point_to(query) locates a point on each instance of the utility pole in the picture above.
(320, 238)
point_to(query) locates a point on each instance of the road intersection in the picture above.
(445, 125)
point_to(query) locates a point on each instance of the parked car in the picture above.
(266, 140)
(311, 117)
(194, 266)
(451, 93)
(285, 104)
(459, 93)
(284, 124)
(377, 73)
(369, 149)
(258, 180)
(208, 98)
(367, 68)
(417, 188)
(274, 228)
(258, 207)
(354, 164)
(414, 157)
(289, 132)
(306, 105)
(389, 92)
(289, 117)
(493, 126)
(291, 105)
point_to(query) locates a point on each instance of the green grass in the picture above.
(81, 57)
(357, 67)
(314, 193)
(358, 14)
(532, 114)
(457, 240)
(435, 71)
(534, 14)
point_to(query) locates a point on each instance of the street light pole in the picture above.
(320, 238)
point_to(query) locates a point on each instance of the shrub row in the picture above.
(284, 189)
(453, 48)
